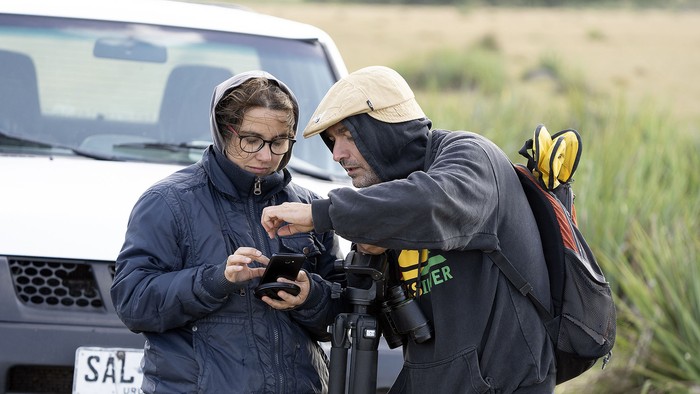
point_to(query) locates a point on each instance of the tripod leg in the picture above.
(363, 367)
(340, 343)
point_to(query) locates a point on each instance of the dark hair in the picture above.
(255, 92)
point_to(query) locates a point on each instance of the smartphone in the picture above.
(284, 265)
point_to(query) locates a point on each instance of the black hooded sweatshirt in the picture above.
(456, 195)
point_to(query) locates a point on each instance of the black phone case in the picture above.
(271, 289)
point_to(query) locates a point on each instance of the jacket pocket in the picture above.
(457, 374)
(225, 353)
(310, 368)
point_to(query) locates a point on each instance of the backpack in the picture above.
(582, 320)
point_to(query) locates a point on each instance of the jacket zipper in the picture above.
(281, 373)
(257, 187)
(260, 240)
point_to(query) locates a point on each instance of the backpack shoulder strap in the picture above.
(520, 283)
(546, 210)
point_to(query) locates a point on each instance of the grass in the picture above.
(479, 67)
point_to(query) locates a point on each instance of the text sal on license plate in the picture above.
(107, 370)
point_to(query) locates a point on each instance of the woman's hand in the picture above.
(290, 301)
(238, 270)
(237, 265)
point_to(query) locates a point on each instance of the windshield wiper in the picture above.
(94, 155)
(17, 140)
(20, 141)
(172, 147)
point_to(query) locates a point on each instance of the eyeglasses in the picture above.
(252, 144)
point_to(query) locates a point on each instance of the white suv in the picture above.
(98, 100)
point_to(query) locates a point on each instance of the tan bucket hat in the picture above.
(377, 91)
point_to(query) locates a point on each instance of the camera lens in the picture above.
(405, 316)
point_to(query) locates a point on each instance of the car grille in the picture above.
(40, 379)
(56, 284)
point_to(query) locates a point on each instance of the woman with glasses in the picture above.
(195, 249)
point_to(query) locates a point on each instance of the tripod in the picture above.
(359, 329)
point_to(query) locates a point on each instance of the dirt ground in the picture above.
(641, 53)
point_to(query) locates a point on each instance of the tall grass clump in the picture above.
(658, 310)
(565, 78)
(640, 208)
(479, 67)
(645, 169)
(637, 201)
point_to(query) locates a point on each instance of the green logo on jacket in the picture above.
(434, 271)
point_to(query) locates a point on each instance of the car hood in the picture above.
(73, 208)
(78, 208)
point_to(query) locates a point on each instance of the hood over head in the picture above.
(393, 150)
(223, 88)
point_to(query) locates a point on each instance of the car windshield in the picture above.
(132, 92)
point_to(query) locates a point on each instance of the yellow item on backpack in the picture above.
(556, 157)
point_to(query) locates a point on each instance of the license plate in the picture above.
(107, 370)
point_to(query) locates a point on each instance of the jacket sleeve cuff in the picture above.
(315, 294)
(320, 212)
(215, 282)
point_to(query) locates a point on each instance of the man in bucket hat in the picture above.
(434, 201)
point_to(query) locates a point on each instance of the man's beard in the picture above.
(368, 178)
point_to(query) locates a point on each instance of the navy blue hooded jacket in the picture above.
(203, 333)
